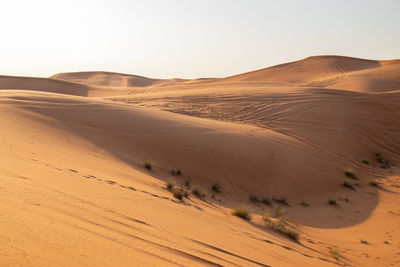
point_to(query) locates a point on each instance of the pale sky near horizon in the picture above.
(189, 39)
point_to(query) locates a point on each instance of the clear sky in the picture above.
(189, 38)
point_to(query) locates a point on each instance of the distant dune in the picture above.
(103, 78)
(336, 72)
(311, 146)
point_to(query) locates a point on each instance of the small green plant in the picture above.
(266, 201)
(335, 253)
(373, 183)
(332, 202)
(187, 183)
(349, 173)
(379, 158)
(216, 187)
(305, 204)
(253, 198)
(348, 185)
(178, 194)
(241, 213)
(366, 162)
(282, 226)
(148, 165)
(198, 193)
(170, 185)
(280, 200)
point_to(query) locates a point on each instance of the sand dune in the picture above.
(336, 72)
(43, 84)
(75, 190)
(103, 78)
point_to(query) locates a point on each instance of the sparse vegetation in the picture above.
(281, 225)
(216, 187)
(178, 194)
(266, 201)
(335, 253)
(170, 185)
(348, 185)
(332, 202)
(253, 198)
(366, 162)
(280, 200)
(148, 165)
(347, 200)
(385, 164)
(373, 183)
(176, 172)
(364, 241)
(305, 204)
(241, 213)
(198, 193)
(187, 183)
(349, 173)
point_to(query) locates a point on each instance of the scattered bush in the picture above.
(280, 200)
(266, 201)
(198, 193)
(364, 241)
(178, 194)
(347, 200)
(244, 214)
(148, 165)
(187, 183)
(253, 198)
(348, 185)
(373, 183)
(349, 173)
(185, 194)
(366, 162)
(335, 253)
(282, 226)
(216, 187)
(305, 204)
(170, 185)
(332, 201)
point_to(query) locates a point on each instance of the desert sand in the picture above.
(75, 191)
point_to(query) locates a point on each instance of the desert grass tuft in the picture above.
(374, 183)
(198, 193)
(349, 173)
(335, 253)
(216, 187)
(332, 201)
(148, 165)
(187, 183)
(280, 200)
(305, 204)
(178, 194)
(366, 162)
(253, 198)
(170, 185)
(348, 185)
(241, 213)
(266, 201)
(282, 226)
